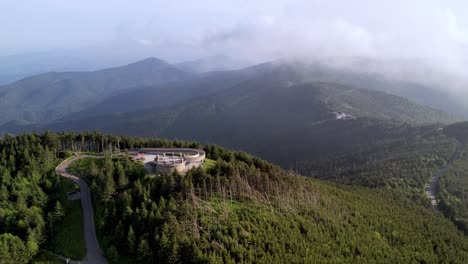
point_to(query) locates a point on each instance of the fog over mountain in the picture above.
(261, 30)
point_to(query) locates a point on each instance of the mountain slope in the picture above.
(452, 191)
(53, 95)
(209, 64)
(381, 76)
(200, 86)
(240, 209)
(300, 118)
(168, 94)
(157, 84)
(302, 121)
(206, 84)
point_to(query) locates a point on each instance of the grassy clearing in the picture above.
(79, 167)
(67, 237)
(209, 163)
(47, 258)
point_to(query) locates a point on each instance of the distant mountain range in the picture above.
(16, 67)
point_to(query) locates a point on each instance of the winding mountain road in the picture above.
(431, 189)
(94, 254)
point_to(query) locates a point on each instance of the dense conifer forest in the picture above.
(27, 179)
(240, 209)
(403, 162)
(453, 187)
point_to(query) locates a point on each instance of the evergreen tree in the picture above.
(58, 212)
(144, 251)
(112, 254)
(131, 240)
(93, 169)
(108, 189)
(122, 177)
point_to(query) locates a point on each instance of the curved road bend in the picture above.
(94, 254)
(431, 189)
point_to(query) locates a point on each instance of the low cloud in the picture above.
(408, 34)
(426, 41)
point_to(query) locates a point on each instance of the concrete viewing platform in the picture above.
(168, 160)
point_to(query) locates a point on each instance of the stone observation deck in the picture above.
(168, 160)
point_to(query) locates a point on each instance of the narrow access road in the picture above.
(94, 254)
(67, 260)
(431, 189)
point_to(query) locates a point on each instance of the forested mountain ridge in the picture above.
(241, 209)
(49, 96)
(167, 95)
(208, 84)
(306, 120)
(399, 80)
(405, 161)
(157, 84)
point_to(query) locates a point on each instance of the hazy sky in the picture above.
(178, 30)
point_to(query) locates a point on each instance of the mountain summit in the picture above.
(46, 97)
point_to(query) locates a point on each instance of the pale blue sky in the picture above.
(179, 30)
